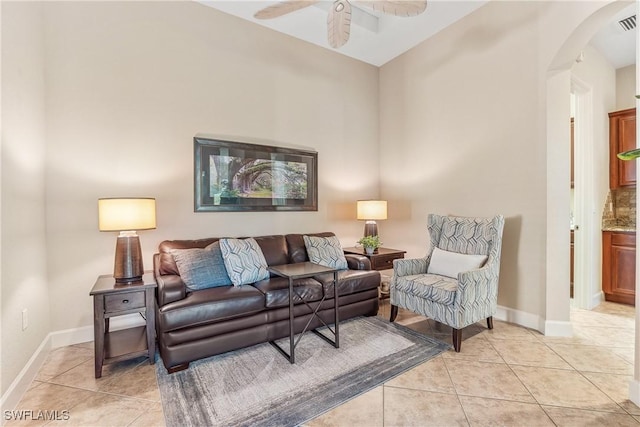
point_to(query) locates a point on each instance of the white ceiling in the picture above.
(375, 38)
(618, 46)
(378, 38)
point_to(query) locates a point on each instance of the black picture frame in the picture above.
(232, 176)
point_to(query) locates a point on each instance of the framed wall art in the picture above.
(237, 176)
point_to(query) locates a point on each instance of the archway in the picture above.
(558, 107)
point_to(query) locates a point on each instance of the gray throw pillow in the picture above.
(201, 268)
(244, 260)
(325, 251)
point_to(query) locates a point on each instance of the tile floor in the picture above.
(509, 376)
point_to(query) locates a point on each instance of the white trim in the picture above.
(587, 216)
(528, 320)
(596, 299)
(552, 328)
(85, 333)
(20, 385)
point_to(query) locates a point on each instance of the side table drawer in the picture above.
(123, 302)
(384, 262)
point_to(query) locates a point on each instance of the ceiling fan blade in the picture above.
(283, 8)
(396, 7)
(339, 23)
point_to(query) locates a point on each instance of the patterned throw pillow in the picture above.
(201, 268)
(325, 251)
(244, 260)
(450, 264)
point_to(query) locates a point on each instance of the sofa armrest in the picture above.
(170, 288)
(358, 262)
(408, 267)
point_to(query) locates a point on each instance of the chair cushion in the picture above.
(431, 287)
(450, 264)
(276, 291)
(325, 251)
(244, 261)
(201, 268)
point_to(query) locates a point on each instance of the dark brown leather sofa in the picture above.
(191, 325)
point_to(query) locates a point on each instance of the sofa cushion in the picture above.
(350, 282)
(244, 261)
(450, 264)
(274, 248)
(276, 291)
(325, 251)
(209, 306)
(201, 268)
(429, 287)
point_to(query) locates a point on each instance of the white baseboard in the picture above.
(20, 385)
(552, 328)
(521, 318)
(596, 299)
(57, 339)
(84, 334)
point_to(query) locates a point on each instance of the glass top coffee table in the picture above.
(300, 271)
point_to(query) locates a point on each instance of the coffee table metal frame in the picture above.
(303, 270)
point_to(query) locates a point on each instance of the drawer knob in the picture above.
(125, 301)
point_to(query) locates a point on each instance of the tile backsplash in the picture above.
(620, 209)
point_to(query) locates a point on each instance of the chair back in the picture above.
(464, 235)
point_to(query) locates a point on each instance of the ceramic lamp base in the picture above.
(128, 266)
(370, 228)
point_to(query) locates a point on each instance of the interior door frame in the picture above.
(587, 275)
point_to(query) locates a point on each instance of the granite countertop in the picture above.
(624, 228)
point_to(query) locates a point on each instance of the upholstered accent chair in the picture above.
(457, 282)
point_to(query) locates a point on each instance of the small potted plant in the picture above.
(370, 244)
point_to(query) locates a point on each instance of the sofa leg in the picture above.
(490, 322)
(394, 313)
(177, 368)
(457, 339)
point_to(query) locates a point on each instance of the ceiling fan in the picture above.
(339, 19)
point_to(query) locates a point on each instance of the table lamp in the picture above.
(127, 215)
(370, 211)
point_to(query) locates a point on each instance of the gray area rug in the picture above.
(257, 386)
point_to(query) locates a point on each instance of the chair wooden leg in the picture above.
(394, 313)
(457, 339)
(490, 322)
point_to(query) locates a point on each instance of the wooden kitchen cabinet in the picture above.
(619, 266)
(622, 137)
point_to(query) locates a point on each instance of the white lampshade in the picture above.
(126, 214)
(372, 209)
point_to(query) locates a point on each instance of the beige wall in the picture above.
(626, 87)
(459, 135)
(463, 131)
(24, 273)
(127, 92)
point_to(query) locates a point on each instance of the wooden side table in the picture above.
(382, 259)
(110, 300)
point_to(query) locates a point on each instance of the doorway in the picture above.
(586, 216)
